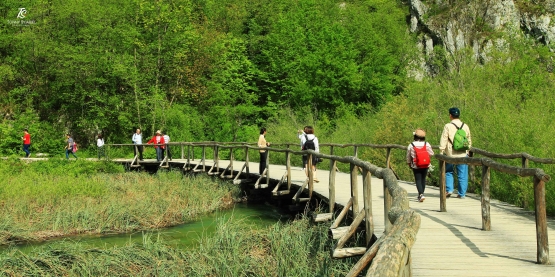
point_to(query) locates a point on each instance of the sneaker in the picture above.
(316, 180)
(422, 198)
(459, 196)
(448, 195)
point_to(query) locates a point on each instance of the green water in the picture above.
(182, 236)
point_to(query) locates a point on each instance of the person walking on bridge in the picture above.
(138, 141)
(26, 143)
(301, 134)
(418, 159)
(447, 147)
(311, 143)
(167, 140)
(70, 144)
(159, 142)
(262, 143)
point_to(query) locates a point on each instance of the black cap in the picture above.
(454, 112)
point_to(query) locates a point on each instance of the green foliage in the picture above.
(90, 67)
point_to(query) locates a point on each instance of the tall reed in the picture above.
(53, 199)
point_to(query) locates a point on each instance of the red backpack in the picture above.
(421, 157)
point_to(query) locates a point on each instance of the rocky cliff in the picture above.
(447, 27)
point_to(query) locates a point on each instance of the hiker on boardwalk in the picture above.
(301, 134)
(100, 146)
(455, 143)
(167, 140)
(262, 143)
(159, 142)
(138, 141)
(70, 146)
(311, 143)
(26, 143)
(418, 159)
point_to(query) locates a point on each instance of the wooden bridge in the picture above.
(475, 236)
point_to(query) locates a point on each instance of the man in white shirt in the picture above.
(446, 147)
(167, 140)
(138, 141)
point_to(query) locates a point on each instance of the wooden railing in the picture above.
(401, 223)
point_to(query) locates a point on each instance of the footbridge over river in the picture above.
(475, 236)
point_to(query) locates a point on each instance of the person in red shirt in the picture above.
(159, 142)
(26, 143)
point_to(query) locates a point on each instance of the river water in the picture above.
(182, 236)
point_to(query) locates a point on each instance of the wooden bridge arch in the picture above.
(401, 223)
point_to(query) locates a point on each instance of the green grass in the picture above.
(41, 200)
(294, 249)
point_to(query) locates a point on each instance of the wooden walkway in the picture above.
(448, 243)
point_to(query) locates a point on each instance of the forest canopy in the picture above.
(94, 66)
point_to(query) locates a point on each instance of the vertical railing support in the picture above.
(541, 222)
(486, 215)
(182, 150)
(310, 175)
(387, 199)
(524, 162)
(442, 191)
(333, 164)
(354, 189)
(267, 167)
(288, 165)
(203, 158)
(217, 158)
(367, 195)
(247, 159)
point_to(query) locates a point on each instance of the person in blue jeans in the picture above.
(446, 147)
(69, 146)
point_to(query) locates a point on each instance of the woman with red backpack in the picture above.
(418, 159)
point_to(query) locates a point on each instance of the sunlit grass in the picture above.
(65, 198)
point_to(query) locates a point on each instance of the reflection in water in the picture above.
(182, 236)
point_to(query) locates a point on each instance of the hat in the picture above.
(158, 132)
(420, 133)
(454, 112)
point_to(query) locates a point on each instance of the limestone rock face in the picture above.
(449, 26)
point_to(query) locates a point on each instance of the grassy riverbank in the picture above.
(57, 198)
(295, 249)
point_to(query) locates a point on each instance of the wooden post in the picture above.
(442, 192)
(541, 222)
(524, 162)
(333, 164)
(288, 165)
(367, 195)
(217, 158)
(486, 216)
(310, 175)
(230, 162)
(182, 150)
(354, 189)
(247, 160)
(267, 167)
(387, 199)
(203, 158)
(189, 155)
